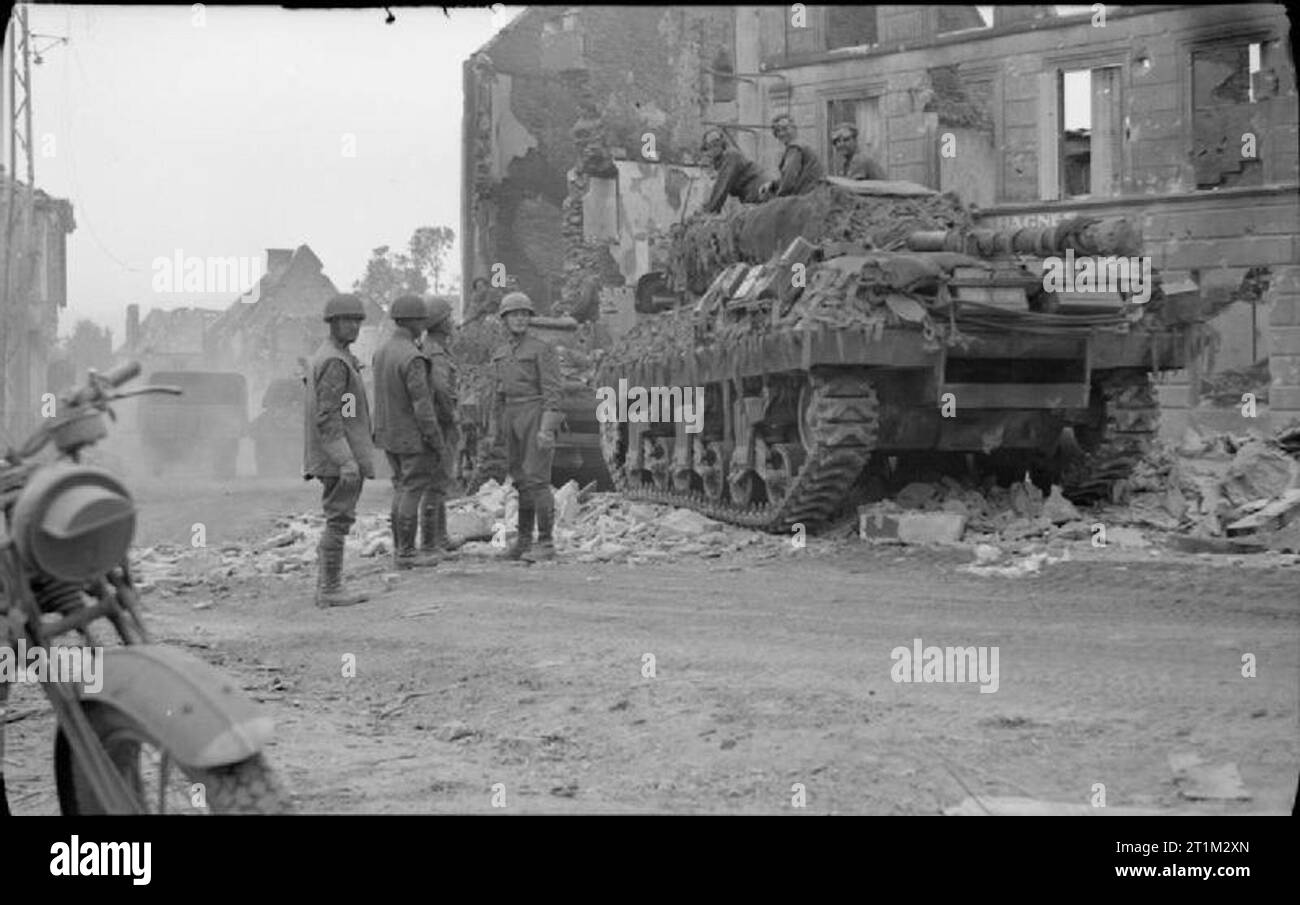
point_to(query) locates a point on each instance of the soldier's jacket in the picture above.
(859, 166)
(527, 370)
(405, 420)
(801, 170)
(336, 414)
(442, 378)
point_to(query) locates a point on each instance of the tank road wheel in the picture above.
(807, 482)
(658, 457)
(711, 465)
(746, 488)
(1125, 418)
(781, 468)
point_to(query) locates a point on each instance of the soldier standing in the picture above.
(406, 426)
(337, 447)
(442, 383)
(527, 373)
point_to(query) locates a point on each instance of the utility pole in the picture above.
(18, 223)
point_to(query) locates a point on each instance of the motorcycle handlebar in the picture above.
(92, 391)
(93, 388)
(121, 374)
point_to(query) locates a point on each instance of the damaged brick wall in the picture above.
(589, 86)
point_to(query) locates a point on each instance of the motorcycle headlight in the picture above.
(73, 522)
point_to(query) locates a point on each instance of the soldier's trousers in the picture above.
(339, 499)
(413, 475)
(444, 471)
(528, 463)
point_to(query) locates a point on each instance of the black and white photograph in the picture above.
(687, 410)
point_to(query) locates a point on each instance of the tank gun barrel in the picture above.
(1082, 235)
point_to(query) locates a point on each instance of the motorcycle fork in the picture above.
(106, 782)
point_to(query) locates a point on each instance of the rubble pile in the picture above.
(604, 527)
(950, 510)
(589, 527)
(1206, 484)
(1244, 491)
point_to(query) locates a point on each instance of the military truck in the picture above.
(868, 331)
(277, 431)
(200, 429)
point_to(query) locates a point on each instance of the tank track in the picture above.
(1131, 420)
(844, 415)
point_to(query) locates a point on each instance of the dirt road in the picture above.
(534, 686)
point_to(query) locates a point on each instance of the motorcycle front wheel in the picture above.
(161, 785)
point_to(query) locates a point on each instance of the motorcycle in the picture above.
(158, 731)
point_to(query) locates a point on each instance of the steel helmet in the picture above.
(439, 313)
(408, 307)
(345, 305)
(516, 301)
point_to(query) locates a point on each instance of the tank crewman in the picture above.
(337, 445)
(801, 168)
(527, 403)
(736, 175)
(442, 383)
(851, 161)
(483, 300)
(406, 426)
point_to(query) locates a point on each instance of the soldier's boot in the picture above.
(446, 543)
(545, 549)
(429, 524)
(433, 530)
(405, 555)
(524, 541)
(329, 571)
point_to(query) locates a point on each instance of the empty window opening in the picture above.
(1076, 138)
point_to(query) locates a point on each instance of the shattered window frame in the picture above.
(1210, 40)
(814, 38)
(1092, 59)
(985, 14)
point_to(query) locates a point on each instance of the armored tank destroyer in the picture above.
(844, 335)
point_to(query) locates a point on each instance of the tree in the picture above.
(389, 275)
(429, 248)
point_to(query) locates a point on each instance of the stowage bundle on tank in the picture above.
(754, 233)
(853, 346)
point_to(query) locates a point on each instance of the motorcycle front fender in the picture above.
(200, 716)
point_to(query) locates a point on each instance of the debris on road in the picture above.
(1207, 494)
(1026, 565)
(1013, 806)
(1198, 781)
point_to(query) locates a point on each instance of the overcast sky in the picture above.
(227, 138)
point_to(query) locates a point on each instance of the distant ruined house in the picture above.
(263, 334)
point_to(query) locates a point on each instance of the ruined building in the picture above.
(33, 289)
(572, 112)
(1182, 118)
(262, 334)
